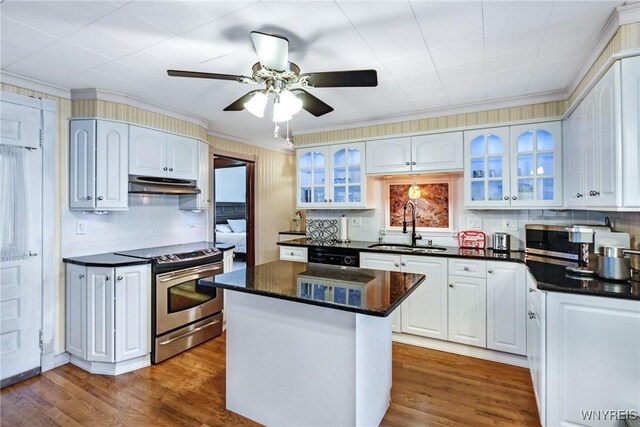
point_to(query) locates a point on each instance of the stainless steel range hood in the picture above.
(152, 185)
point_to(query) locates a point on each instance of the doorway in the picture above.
(234, 207)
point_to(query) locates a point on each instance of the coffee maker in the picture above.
(584, 235)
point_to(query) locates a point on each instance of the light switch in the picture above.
(81, 227)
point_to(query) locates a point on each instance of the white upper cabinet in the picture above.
(160, 154)
(574, 159)
(331, 177)
(517, 166)
(98, 163)
(630, 81)
(205, 177)
(423, 153)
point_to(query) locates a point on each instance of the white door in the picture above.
(112, 166)
(21, 242)
(182, 157)
(630, 81)
(438, 152)
(506, 307)
(468, 310)
(486, 171)
(313, 177)
(132, 304)
(147, 152)
(82, 164)
(574, 160)
(347, 175)
(100, 314)
(76, 310)
(389, 155)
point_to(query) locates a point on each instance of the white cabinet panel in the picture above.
(205, 177)
(112, 153)
(389, 155)
(506, 307)
(293, 253)
(82, 145)
(574, 160)
(76, 310)
(437, 152)
(468, 310)
(630, 82)
(536, 344)
(147, 152)
(466, 267)
(182, 157)
(100, 323)
(425, 311)
(377, 261)
(132, 312)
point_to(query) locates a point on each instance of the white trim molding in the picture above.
(34, 85)
(106, 368)
(628, 13)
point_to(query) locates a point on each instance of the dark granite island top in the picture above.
(358, 290)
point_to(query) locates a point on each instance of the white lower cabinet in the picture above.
(108, 317)
(293, 253)
(227, 261)
(536, 344)
(468, 310)
(506, 307)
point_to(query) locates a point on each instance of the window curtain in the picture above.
(14, 221)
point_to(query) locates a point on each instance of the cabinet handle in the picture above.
(531, 290)
(578, 195)
(107, 278)
(514, 197)
(81, 276)
(100, 197)
(396, 264)
(490, 270)
(506, 197)
(208, 200)
(330, 200)
(33, 253)
(404, 264)
(407, 163)
(89, 197)
(119, 278)
(291, 254)
(413, 163)
(532, 315)
(170, 169)
(451, 285)
(466, 268)
(164, 168)
(596, 193)
(325, 200)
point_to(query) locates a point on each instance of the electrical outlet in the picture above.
(510, 224)
(81, 227)
(355, 221)
(474, 223)
(383, 232)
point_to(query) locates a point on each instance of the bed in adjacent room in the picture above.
(231, 226)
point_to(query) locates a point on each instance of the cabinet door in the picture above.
(468, 310)
(227, 261)
(574, 159)
(607, 188)
(76, 310)
(100, 323)
(132, 304)
(438, 152)
(376, 261)
(147, 152)
(182, 157)
(536, 350)
(506, 307)
(389, 155)
(486, 171)
(347, 175)
(593, 349)
(313, 177)
(205, 175)
(536, 165)
(425, 310)
(631, 131)
(82, 145)
(112, 165)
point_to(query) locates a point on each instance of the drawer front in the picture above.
(463, 267)
(292, 253)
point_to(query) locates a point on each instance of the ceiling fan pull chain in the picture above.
(275, 131)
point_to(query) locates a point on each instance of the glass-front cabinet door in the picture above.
(536, 165)
(313, 177)
(486, 172)
(347, 174)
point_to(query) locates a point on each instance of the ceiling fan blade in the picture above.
(272, 50)
(355, 78)
(238, 104)
(200, 75)
(312, 104)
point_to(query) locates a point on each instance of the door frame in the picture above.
(250, 201)
(48, 257)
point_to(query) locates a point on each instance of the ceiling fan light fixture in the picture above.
(257, 104)
(281, 112)
(290, 102)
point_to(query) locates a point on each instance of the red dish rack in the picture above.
(472, 239)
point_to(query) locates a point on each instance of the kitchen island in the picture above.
(310, 344)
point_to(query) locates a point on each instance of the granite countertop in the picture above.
(106, 260)
(301, 233)
(358, 290)
(225, 246)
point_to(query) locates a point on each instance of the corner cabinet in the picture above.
(161, 154)
(331, 177)
(200, 201)
(108, 317)
(98, 165)
(517, 166)
(506, 307)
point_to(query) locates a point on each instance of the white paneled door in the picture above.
(21, 220)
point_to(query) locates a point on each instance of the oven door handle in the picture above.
(199, 328)
(190, 273)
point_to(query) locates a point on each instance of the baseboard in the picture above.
(464, 350)
(106, 368)
(61, 359)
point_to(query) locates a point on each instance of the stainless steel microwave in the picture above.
(550, 240)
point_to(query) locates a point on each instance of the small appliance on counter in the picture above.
(584, 235)
(472, 239)
(501, 242)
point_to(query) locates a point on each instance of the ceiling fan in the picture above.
(283, 81)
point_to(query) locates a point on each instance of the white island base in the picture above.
(293, 364)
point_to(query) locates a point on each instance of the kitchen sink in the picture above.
(406, 248)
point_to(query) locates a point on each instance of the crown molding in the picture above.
(92, 94)
(267, 145)
(439, 112)
(628, 13)
(34, 85)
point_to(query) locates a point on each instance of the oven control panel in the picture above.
(186, 256)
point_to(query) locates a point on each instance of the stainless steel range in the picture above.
(184, 313)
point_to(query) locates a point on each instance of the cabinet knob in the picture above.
(107, 278)
(407, 163)
(531, 290)
(119, 278)
(170, 169)
(514, 198)
(413, 163)
(291, 254)
(578, 195)
(33, 253)
(490, 270)
(325, 200)
(466, 268)
(404, 264)
(81, 276)
(100, 197)
(596, 193)
(89, 197)
(451, 285)
(164, 168)
(330, 200)
(208, 200)
(532, 315)
(396, 264)
(506, 197)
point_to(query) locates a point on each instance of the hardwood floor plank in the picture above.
(430, 388)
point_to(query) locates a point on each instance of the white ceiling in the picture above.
(430, 55)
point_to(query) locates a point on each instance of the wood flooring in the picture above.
(430, 388)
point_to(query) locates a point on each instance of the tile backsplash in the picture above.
(152, 220)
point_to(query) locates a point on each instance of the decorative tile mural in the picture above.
(323, 231)
(432, 208)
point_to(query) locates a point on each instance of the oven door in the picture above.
(180, 300)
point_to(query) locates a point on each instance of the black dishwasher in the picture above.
(334, 255)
